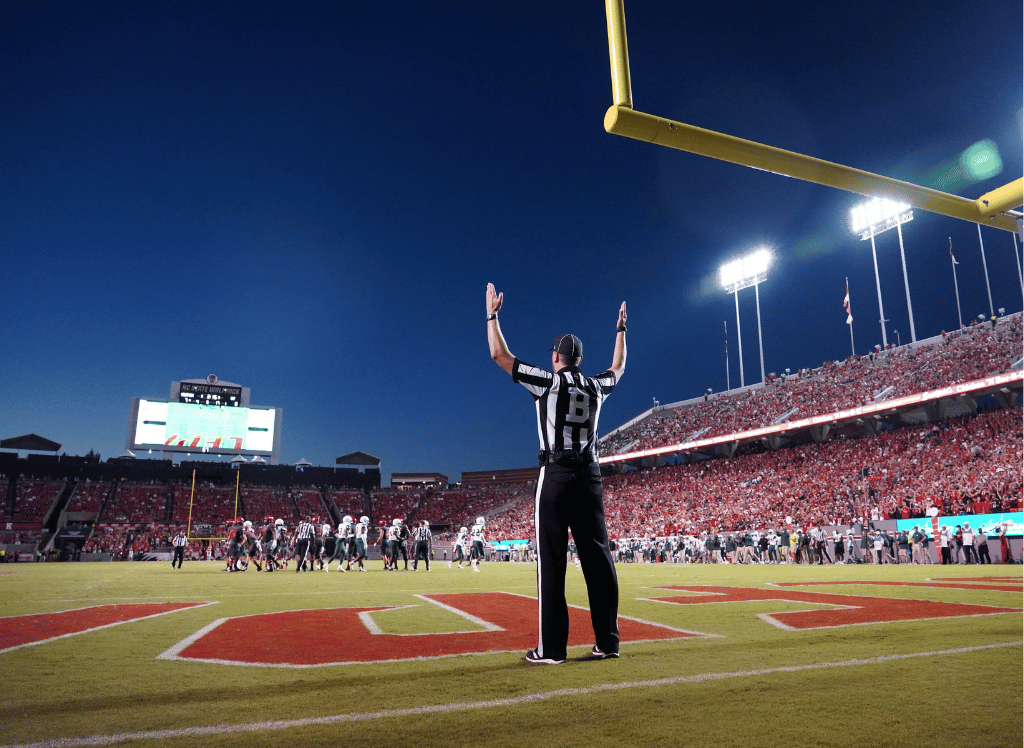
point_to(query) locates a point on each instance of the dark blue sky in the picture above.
(309, 199)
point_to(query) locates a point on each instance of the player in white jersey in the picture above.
(459, 548)
(340, 545)
(357, 550)
(391, 546)
(476, 535)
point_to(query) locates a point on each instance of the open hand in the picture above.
(494, 299)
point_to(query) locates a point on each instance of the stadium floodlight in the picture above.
(875, 217)
(743, 272)
(746, 271)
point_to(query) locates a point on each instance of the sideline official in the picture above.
(179, 542)
(569, 490)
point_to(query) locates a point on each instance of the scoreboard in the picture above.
(210, 394)
(205, 417)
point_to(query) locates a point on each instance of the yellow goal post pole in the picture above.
(191, 501)
(991, 209)
(191, 498)
(238, 477)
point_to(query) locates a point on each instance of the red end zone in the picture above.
(24, 631)
(495, 622)
(846, 610)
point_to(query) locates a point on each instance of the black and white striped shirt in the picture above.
(304, 531)
(421, 534)
(568, 405)
(180, 541)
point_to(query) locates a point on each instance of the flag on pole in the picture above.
(846, 304)
(951, 255)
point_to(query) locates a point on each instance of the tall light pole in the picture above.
(875, 217)
(956, 287)
(728, 383)
(743, 272)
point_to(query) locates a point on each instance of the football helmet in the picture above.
(396, 522)
(463, 530)
(347, 519)
(480, 520)
(365, 520)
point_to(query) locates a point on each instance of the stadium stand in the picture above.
(941, 361)
(967, 464)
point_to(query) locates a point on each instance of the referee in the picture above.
(303, 536)
(422, 537)
(569, 491)
(179, 542)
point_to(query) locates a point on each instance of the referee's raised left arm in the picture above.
(495, 340)
(619, 357)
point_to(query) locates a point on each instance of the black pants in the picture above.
(179, 556)
(422, 551)
(301, 549)
(573, 498)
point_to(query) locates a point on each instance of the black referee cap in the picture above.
(568, 345)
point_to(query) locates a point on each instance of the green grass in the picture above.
(109, 682)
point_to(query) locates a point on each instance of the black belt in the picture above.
(565, 458)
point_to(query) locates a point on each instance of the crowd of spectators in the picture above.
(347, 503)
(33, 499)
(256, 502)
(88, 496)
(207, 503)
(137, 502)
(965, 465)
(309, 502)
(981, 350)
(970, 464)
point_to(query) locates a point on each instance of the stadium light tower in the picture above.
(875, 217)
(743, 272)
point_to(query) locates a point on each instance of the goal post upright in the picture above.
(191, 498)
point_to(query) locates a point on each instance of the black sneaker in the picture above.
(597, 654)
(536, 659)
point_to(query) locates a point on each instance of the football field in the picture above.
(139, 654)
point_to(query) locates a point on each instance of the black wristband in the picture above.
(491, 316)
(620, 329)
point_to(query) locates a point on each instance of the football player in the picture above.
(357, 552)
(476, 553)
(459, 548)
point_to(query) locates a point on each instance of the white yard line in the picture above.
(193, 732)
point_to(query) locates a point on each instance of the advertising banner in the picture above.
(1013, 522)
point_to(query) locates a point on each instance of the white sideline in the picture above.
(191, 732)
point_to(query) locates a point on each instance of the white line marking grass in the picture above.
(192, 732)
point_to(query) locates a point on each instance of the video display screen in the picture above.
(203, 428)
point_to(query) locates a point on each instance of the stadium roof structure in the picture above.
(357, 458)
(29, 443)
